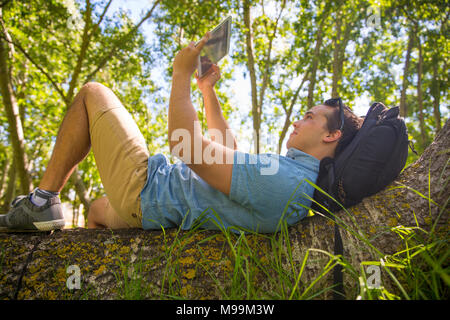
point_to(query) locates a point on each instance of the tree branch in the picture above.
(267, 62)
(315, 59)
(83, 50)
(97, 25)
(24, 52)
(251, 69)
(287, 120)
(115, 47)
(4, 3)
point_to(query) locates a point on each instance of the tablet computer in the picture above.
(216, 47)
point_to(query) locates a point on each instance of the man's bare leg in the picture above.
(96, 106)
(72, 144)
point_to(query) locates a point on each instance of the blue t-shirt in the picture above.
(264, 188)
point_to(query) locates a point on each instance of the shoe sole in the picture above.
(41, 226)
(50, 225)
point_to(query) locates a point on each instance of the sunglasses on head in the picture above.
(341, 114)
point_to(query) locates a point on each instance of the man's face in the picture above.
(309, 132)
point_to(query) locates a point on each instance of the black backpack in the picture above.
(372, 160)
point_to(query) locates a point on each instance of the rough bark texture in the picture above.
(33, 266)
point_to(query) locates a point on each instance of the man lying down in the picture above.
(215, 184)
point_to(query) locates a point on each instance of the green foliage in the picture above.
(48, 39)
(369, 38)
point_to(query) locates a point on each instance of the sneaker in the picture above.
(25, 216)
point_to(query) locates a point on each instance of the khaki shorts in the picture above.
(121, 155)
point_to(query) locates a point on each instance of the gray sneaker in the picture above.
(25, 216)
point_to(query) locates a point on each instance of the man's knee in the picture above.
(97, 96)
(92, 91)
(98, 99)
(93, 87)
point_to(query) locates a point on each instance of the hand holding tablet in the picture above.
(216, 47)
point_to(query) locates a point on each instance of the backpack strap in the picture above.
(327, 165)
(338, 277)
(338, 280)
(373, 115)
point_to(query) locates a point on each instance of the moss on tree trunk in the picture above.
(137, 264)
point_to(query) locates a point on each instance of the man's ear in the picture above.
(333, 136)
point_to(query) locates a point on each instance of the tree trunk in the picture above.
(403, 106)
(287, 119)
(312, 77)
(436, 93)
(257, 104)
(423, 133)
(88, 31)
(12, 114)
(85, 42)
(201, 265)
(3, 175)
(80, 189)
(339, 56)
(252, 71)
(315, 57)
(336, 57)
(10, 188)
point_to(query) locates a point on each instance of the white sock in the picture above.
(40, 197)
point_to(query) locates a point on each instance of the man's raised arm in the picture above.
(214, 116)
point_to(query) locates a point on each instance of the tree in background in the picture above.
(49, 49)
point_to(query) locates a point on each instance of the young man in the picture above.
(236, 189)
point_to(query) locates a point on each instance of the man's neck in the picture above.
(320, 153)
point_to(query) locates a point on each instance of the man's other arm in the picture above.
(214, 116)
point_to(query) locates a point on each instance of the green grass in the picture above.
(130, 279)
(418, 270)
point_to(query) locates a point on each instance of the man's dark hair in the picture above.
(352, 123)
